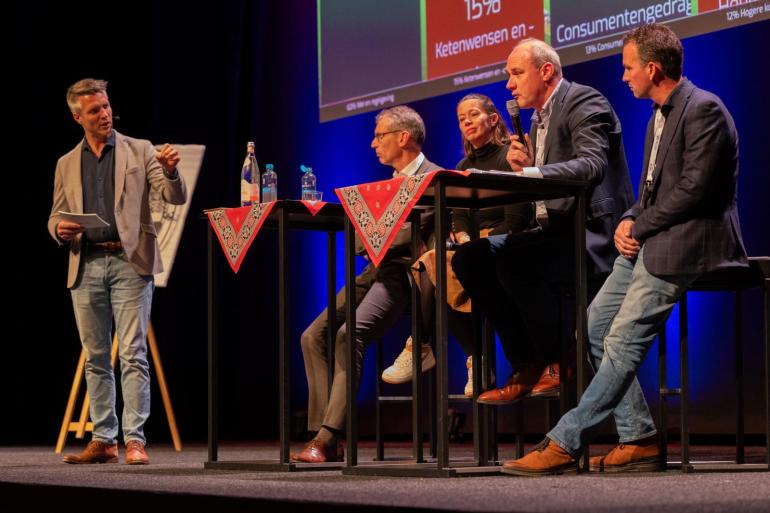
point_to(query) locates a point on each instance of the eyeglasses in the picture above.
(378, 137)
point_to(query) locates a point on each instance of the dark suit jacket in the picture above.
(690, 224)
(584, 142)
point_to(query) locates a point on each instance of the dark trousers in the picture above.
(511, 279)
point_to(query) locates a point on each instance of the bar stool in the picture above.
(381, 399)
(487, 338)
(737, 280)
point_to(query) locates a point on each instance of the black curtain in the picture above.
(178, 72)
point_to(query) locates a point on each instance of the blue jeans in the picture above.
(623, 320)
(109, 287)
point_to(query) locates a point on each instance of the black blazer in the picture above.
(690, 222)
(584, 142)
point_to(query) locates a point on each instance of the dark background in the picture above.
(220, 75)
(348, 47)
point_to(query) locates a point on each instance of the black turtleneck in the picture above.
(519, 216)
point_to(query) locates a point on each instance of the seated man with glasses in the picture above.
(382, 293)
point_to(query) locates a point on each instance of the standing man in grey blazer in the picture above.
(111, 268)
(382, 294)
(684, 224)
(575, 135)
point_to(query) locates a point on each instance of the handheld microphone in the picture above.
(513, 110)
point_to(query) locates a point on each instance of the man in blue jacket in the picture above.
(684, 224)
(575, 135)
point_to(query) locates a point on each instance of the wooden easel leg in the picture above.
(74, 391)
(163, 387)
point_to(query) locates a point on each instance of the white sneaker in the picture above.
(469, 384)
(401, 370)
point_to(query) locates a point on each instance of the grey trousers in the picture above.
(382, 294)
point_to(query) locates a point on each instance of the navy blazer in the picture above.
(584, 142)
(690, 222)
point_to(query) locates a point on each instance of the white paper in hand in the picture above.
(87, 221)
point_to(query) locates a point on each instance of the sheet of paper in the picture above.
(85, 220)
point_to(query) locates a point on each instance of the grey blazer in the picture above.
(404, 237)
(689, 224)
(585, 142)
(136, 171)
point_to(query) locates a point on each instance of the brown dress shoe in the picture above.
(317, 451)
(544, 460)
(135, 453)
(95, 452)
(639, 456)
(517, 388)
(548, 384)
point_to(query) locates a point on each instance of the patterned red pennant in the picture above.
(313, 206)
(378, 209)
(236, 229)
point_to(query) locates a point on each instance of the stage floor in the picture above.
(32, 477)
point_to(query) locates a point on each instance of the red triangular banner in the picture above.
(236, 229)
(313, 206)
(378, 209)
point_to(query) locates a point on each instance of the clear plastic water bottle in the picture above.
(250, 178)
(308, 183)
(269, 185)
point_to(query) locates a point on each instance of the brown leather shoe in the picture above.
(135, 453)
(544, 460)
(639, 456)
(548, 384)
(317, 451)
(95, 452)
(517, 388)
